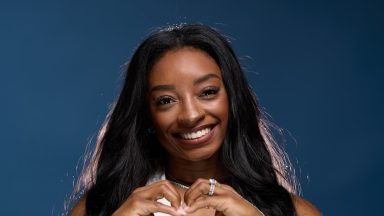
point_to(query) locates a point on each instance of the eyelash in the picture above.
(206, 93)
(164, 100)
(209, 92)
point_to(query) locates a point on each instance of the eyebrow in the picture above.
(205, 78)
(163, 88)
(196, 82)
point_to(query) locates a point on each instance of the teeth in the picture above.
(196, 134)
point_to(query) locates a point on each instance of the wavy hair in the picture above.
(126, 154)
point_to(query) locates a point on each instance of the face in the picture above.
(188, 104)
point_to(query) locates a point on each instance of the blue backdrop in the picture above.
(317, 67)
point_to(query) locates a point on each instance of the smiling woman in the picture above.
(188, 105)
(186, 137)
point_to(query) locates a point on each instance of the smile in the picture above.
(196, 134)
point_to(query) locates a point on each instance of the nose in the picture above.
(191, 113)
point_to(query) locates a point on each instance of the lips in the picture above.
(196, 134)
(197, 137)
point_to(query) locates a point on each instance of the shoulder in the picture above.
(79, 209)
(305, 208)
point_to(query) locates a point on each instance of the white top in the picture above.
(158, 176)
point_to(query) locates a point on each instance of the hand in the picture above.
(224, 200)
(142, 201)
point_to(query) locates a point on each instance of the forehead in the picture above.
(181, 66)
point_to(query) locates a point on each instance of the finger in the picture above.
(198, 183)
(150, 207)
(159, 190)
(204, 201)
(228, 204)
(156, 184)
(200, 188)
(166, 191)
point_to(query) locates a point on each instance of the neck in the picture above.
(186, 172)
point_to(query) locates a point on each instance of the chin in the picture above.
(197, 157)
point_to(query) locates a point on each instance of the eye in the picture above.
(209, 92)
(164, 100)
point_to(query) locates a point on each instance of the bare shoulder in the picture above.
(79, 209)
(305, 208)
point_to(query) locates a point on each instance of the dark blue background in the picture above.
(317, 67)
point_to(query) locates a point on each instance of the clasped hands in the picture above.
(143, 200)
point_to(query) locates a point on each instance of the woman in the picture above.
(186, 137)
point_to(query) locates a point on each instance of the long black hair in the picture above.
(127, 154)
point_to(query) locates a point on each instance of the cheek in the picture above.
(224, 109)
(161, 121)
(223, 112)
(220, 109)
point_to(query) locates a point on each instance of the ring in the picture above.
(212, 183)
